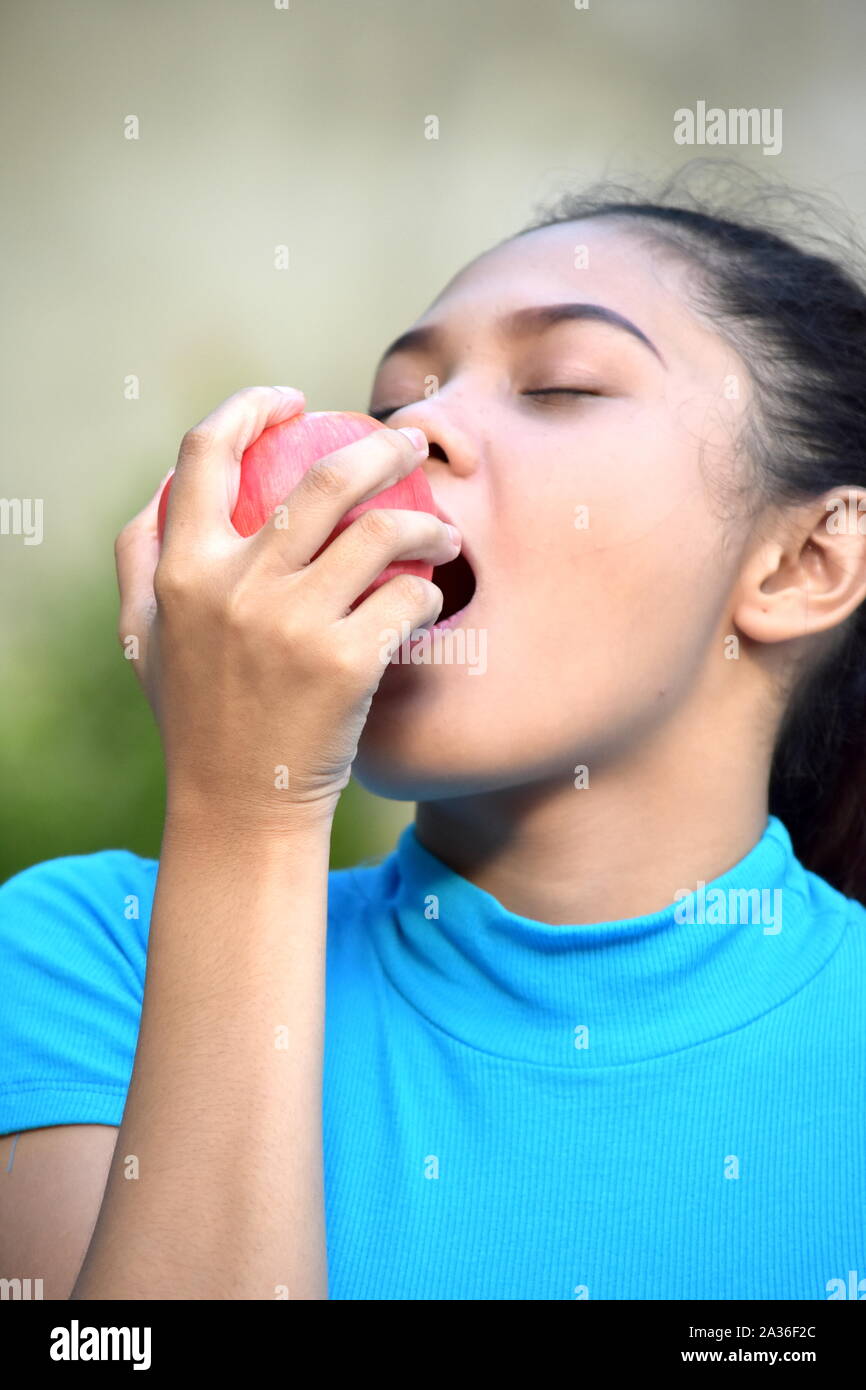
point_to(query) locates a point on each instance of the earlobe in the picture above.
(811, 580)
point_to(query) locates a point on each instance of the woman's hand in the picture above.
(259, 677)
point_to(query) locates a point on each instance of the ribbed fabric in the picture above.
(670, 1106)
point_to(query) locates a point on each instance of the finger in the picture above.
(392, 612)
(328, 490)
(374, 540)
(136, 552)
(207, 477)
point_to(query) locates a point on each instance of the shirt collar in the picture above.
(608, 993)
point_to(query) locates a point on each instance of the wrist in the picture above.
(205, 820)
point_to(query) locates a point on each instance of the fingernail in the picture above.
(454, 534)
(416, 437)
(289, 390)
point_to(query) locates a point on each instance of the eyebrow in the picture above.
(534, 319)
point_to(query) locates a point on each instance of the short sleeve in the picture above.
(73, 949)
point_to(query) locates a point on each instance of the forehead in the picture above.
(596, 261)
(567, 256)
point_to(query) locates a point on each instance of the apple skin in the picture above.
(275, 463)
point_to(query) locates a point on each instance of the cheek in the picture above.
(611, 552)
(585, 505)
(633, 478)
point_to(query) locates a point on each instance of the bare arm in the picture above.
(216, 1188)
(255, 665)
(52, 1181)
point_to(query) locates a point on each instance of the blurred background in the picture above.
(141, 287)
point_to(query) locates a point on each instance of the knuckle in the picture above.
(380, 525)
(250, 405)
(345, 665)
(294, 637)
(197, 441)
(255, 395)
(169, 583)
(327, 477)
(240, 608)
(414, 590)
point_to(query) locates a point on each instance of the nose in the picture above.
(450, 441)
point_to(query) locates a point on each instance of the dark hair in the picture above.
(776, 275)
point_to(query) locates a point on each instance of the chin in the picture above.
(411, 757)
(401, 766)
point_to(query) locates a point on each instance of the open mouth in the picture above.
(457, 582)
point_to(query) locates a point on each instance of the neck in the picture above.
(619, 848)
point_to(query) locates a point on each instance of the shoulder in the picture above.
(78, 873)
(73, 943)
(73, 957)
(65, 901)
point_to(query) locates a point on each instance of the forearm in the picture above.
(223, 1112)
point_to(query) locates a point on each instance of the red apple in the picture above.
(279, 458)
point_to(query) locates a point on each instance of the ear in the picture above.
(811, 574)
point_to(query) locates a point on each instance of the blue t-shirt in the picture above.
(669, 1106)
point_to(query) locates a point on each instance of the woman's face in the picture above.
(571, 450)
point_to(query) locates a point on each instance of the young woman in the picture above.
(594, 1028)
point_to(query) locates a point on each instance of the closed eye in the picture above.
(560, 391)
(540, 391)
